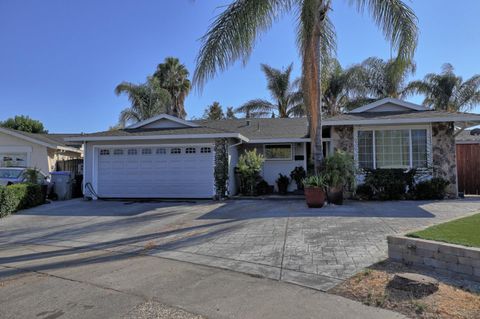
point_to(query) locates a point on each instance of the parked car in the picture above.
(15, 175)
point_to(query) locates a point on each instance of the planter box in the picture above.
(442, 257)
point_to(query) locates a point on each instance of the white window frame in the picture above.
(278, 159)
(426, 127)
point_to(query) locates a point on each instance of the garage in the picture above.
(161, 171)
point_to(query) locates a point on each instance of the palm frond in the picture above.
(257, 105)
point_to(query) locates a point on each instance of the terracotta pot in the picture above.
(315, 197)
(335, 195)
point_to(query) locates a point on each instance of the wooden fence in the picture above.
(468, 168)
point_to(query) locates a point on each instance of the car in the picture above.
(15, 175)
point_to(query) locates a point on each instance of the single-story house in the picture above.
(167, 157)
(41, 151)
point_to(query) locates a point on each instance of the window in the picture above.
(403, 148)
(278, 152)
(161, 151)
(146, 151)
(13, 159)
(117, 152)
(175, 150)
(132, 151)
(104, 152)
(206, 150)
(190, 150)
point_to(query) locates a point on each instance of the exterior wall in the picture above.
(37, 154)
(89, 155)
(271, 168)
(389, 107)
(59, 155)
(444, 155)
(342, 138)
(164, 123)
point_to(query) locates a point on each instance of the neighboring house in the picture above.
(41, 151)
(173, 158)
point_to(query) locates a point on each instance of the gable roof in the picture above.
(55, 141)
(161, 117)
(404, 104)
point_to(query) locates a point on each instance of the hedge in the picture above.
(19, 196)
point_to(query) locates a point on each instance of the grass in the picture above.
(463, 231)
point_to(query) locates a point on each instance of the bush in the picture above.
(390, 184)
(249, 167)
(364, 192)
(431, 189)
(19, 196)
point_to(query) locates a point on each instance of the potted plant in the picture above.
(282, 183)
(339, 173)
(315, 191)
(298, 175)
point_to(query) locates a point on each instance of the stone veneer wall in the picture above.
(447, 259)
(342, 138)
(444, 155)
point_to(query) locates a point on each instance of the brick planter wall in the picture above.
(444, 258)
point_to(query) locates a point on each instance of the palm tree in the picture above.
(147, 100)
(173, 77)
(230, 113)
(288, 100)
(234, 32)
(447, 91)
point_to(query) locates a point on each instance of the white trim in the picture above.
(69, 149)
(381, 102)
(160, 117)
(156, 137)
(279, 140)
(452, 118)
(278, 159)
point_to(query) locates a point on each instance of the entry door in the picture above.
(156, 172)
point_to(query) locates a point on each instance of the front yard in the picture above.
(463, 231)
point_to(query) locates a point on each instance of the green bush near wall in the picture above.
(19, 196)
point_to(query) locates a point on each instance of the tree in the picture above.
(146, 100)
(230, 114)
(173, 76)
(287, 98)
(447, 91)
(25, 124)
(214, 112)
(233, 33)
(375, 79)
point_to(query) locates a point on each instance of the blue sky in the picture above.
(61, 60)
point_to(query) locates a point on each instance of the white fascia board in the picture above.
(389, 100)
(280, 140)
(69, 149)
(162, 116)
(27, 138)
(155, 137)
(472, 120)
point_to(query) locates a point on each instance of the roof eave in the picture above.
(464, 119)
(156, 137)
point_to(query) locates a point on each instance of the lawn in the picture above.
(463, 231)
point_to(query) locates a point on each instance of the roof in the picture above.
(468, 136)
(48, 140)
(403, 104)
(410, 117)
(159, 117)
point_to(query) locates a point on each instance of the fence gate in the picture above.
(468, 168)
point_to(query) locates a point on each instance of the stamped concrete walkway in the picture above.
(280, 240)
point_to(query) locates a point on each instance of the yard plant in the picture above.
(19, 196)
(249, 167)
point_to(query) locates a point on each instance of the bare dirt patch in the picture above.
(449, 302)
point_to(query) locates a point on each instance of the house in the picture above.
(167, 157)
(41, 151)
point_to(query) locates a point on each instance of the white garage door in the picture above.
(156, 172)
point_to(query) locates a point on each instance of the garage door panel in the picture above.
(125, 172)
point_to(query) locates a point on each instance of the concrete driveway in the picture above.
(281, 240)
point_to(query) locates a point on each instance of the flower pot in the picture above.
(335, 195)
(315, 197)
(282, 188)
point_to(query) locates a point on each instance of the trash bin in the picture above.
(62, 184)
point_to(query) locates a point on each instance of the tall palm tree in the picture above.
(447, 91)
(288, 100)
(232, 35)
(173, 77)
(146, 100)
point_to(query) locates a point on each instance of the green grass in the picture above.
(463, 231)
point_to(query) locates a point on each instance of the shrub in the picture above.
(249, 166)
(19, 196)
(297, 175)
(390, 184)
(364, 192)
(340, 170)
(431, 189)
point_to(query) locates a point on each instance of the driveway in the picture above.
(281, 240)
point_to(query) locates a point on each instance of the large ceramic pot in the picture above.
(335, 195)
(315, 197)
